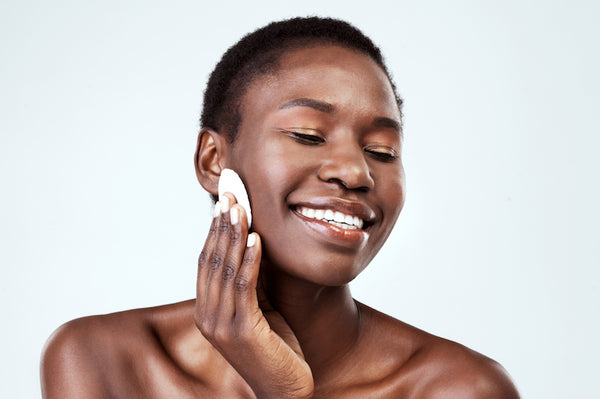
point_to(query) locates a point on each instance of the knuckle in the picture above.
(224, 225)
(202, 258)
(242, 283)
(215, 261)
(206, 325)
(222, 334)
(235, 235)
(201, 324)
(249, 258)
(228, 272)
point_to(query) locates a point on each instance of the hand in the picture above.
(264, 352)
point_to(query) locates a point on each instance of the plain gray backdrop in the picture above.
(496, 248)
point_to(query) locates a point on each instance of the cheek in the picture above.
(270, 173)
(273, 166)
(266, 171)
(392, 193)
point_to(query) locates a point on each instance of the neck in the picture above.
(325, 320)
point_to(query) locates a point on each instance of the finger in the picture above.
(213, 286)
(263, 301)
(246, 302)
(233, 259)
(204, 261)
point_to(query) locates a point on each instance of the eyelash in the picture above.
(382, 156)
(307, 139)
(313, 139)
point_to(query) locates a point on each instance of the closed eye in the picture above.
(383, 154)
(304, 138)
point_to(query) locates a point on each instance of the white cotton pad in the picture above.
(230, 182)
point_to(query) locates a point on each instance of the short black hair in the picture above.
(257, 54)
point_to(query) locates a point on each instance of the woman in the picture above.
(305, 111)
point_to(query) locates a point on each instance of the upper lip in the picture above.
(355, 208)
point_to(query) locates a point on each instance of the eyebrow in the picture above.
(327, 108)
(321, 106)
(382, 121)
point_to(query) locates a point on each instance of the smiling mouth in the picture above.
(336, 218)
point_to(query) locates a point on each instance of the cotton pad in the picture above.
(230, 182)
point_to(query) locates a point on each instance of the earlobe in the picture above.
(209, 158)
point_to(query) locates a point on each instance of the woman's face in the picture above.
(320, 139)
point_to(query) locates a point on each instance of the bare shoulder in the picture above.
(425, 366)
(452, 370)
(70, 365)
(84, 357)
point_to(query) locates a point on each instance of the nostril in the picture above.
(353, 173)
(348, 186)
(353, 183)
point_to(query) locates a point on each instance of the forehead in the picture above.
(330, 73)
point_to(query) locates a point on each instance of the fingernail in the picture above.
(224, 204)
(217, 210)
(251, 240)
(235, 215)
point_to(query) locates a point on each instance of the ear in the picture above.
(209, 159)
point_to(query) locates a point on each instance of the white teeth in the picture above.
(328, 214)
(338, 219)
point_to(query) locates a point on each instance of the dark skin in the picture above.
(274, 317)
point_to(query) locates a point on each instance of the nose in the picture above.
(346, 165)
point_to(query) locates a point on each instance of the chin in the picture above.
(330, 271)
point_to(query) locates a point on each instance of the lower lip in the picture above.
(334, 234)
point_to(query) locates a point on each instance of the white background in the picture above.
(497, 247)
